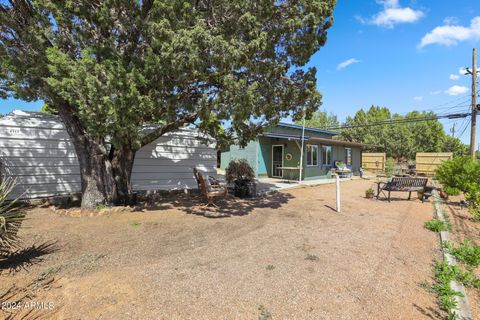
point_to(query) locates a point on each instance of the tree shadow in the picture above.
(227, 207)
(429, 312)
(24, 258)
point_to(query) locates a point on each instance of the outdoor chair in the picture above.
(209, 192)
(214, 182)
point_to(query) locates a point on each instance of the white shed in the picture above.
(35, 148)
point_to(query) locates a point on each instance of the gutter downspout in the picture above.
(301, 150)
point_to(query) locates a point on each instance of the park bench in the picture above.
(402, 184)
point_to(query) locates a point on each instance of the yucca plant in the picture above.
(11, 217)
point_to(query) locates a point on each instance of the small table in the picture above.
(288, 172)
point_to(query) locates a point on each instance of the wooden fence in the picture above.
(427, 163)
(374, 162)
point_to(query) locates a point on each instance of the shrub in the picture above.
(436, 225)
(389, 167)
(460, 175)
(11, 218)
(467, 253)
(370, 190)
(239, 169)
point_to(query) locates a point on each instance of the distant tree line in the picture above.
(398, 140)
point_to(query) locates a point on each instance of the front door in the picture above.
(277, 161)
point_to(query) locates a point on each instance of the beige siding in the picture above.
(36, 149)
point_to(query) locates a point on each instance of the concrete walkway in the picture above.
(266, 185)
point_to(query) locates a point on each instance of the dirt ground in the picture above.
(464, 228)
(286, 256)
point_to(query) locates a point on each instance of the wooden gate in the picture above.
(374, 162)
(428, 162)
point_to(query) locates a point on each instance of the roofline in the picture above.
(322, 140)
(295, 126)
(345, 143)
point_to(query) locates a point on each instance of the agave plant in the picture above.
(11, 217)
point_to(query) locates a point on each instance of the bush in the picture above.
(460, 175)
(239, 169)
(436, 225)
(389, 167)
(11, 218)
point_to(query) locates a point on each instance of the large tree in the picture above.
(321, 119)
(398, 140)
(112, 67)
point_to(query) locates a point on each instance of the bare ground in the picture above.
(288, 256)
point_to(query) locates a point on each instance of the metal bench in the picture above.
(402, 184)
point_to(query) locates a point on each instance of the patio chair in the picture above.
(209, 192)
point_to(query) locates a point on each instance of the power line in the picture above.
(404, 120)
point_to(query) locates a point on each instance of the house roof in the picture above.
(295, 126)
(326, 141)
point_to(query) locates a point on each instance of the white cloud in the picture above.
(454, 77)
(451, 20)
(456, 90)
(418, 98)
(462, 71)
(393, 14)
(347, 63)
(434, 93)
(449, 35)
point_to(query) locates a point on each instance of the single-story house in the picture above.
(35, 148)
(276, 153)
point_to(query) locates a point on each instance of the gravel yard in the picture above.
(287, 256)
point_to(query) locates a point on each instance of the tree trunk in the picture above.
(97, 182)
(122, 166)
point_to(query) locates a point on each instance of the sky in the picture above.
(402, 54)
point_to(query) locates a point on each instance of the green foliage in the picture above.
(401, 140)
(12, 216)
(389, 167)
(455, 146)
(462, 174)
(370, 190)
(322, 120)
(239, 169)
(444, 274)
(436, 225)
(118, 65)
(48, 108)
(466, 252)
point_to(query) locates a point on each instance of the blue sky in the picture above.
(390, 65)
(403, 54)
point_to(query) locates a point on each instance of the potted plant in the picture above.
(241, 175)
(369, 193)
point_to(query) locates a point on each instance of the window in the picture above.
(327, 155)
(312, 155)
(348, 156)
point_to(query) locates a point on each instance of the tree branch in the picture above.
(160, 131)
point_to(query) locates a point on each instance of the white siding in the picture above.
(37, 151)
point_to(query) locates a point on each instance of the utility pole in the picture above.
(473, 72)
(453, 130)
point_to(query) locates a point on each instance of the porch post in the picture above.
(301, 149)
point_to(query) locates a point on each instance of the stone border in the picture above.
(462, 311)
